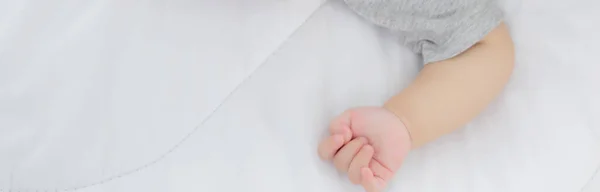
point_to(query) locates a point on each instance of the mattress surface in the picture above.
(233, 95)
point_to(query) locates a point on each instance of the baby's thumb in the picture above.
(370, 182)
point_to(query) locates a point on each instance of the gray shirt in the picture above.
(437, 29)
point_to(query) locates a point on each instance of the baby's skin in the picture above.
(369, 144)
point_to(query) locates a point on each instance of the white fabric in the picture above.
(233, 95)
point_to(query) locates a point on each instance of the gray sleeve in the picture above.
(437, 29)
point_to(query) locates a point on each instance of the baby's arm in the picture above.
(370, 143)
(447, 94)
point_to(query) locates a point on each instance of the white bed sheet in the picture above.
(233, 95)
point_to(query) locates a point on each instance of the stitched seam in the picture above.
(188, 135)
(589, 182)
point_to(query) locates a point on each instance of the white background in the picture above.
(233, 95)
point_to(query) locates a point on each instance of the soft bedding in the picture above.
(233, 95)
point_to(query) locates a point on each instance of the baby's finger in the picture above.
(344, 156)
(361, 160)
(329, 146)
(370, 182)
(341, 125)
(380, 171)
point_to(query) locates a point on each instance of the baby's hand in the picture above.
(369, 144)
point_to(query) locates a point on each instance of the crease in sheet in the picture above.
(188, 135)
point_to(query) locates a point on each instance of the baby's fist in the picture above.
(369, 144)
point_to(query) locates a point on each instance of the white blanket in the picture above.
(233, 95)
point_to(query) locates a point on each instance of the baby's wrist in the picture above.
(404, 123)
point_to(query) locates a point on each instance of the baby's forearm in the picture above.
(448, 94)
